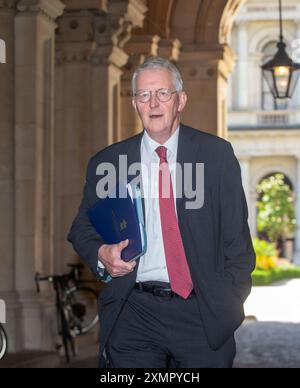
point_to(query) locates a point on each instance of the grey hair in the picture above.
(156, 63)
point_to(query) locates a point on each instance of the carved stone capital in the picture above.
(115, 27)
(109, 55)
(143, 45)
(74, 52)
(136, 12)
(51, 9)
(215, 60)
(95, 5)
(98, 34)
(169, 49)
(74, 37)
(139, 48)
(9, 4)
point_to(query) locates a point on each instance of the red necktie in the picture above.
(178, 270)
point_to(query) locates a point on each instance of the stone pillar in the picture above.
(230, 93)
(297, 240)
(7, 14)
(242, 66)
(245, 171)
(113, 32)
(205, 71)
(73, 120)
(296, 58)
(245, 163)
(253, 212)
(90, 58)
(254, 86)
(138, 49)
(7, 184)
(106, 113)
(34, 109)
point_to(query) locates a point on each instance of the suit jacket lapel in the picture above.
(134, 150)
(134, 156)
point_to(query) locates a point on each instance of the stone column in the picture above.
(34, 104)
(296, 58)
(253, 212)
(255, 84)
(205, 71)
(113, 32)
(230, 93)
(297, 240)
(245, 171)
(242, 66)
(73, 122)
(106, 108)
(90, 57)
(7, 184)
(245, 163)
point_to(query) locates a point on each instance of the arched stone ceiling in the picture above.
(192, 21)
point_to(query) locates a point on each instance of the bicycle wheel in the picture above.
(3, 342)
(84, 304)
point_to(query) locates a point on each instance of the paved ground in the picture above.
(269, 337)
(268, 345)
(86, 358)
(277, 303)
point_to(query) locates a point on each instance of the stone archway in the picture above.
(265, 168)
(269, 169)
(286, 246)
(76, 70)
(202, 21)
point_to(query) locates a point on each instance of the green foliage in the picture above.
(264, 278)
(266, 254)
(276, 210)
(264, 248)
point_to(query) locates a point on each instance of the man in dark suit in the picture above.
(180, 304)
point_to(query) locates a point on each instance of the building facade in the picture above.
(265, 133)
(65, 94)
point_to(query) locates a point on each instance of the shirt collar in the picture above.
(171, 144)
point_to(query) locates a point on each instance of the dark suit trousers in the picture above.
(160, 332)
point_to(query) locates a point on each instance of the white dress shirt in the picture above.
(152, 265)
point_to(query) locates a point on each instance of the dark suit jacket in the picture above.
(216, 237)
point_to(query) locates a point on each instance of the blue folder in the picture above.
(116, 219)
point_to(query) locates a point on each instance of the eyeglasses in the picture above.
(163, 95)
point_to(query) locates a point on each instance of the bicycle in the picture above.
(3, 342)
(75, 306)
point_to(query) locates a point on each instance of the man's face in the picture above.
(160, 119)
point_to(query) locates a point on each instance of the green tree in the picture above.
(276, 210)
